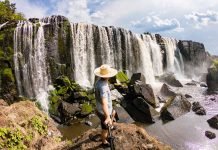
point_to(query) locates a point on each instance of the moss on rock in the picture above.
(8, 75)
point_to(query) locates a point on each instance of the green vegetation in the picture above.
(8, 75)
(122, 77)
(86, 108)
(12, 139)
(37, 124)
(8, 12)
(215, 63)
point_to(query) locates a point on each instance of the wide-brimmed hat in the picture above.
(105, 71)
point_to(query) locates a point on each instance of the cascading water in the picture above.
(174, 58)
(30, 62)
(156, 55)
(90, 46)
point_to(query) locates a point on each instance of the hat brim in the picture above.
(112, 72)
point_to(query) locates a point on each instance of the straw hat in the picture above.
(105, 71)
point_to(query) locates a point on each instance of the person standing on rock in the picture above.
(104, 107)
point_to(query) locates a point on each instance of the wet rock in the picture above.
(213, 122)
(145, 91)
(167, 91)
(137, 77)
(68, 110)
(210, 134)
(123, 116)
(175, 107)
(89, 123)
(212, 78)
(115, 95)
(140, 110)
(201, 111)
(161, 99)
(198, 109)
(202, 84)
(188, 96)
(170, 79)
(191, 84)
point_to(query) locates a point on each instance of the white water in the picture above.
(91, 46)
(30, 63)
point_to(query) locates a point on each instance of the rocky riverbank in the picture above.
(127, 136)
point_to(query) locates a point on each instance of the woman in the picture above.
(103, 99)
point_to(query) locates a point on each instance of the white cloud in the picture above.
(30, 10)
(75, 10)
(156, 24)
(203, 19)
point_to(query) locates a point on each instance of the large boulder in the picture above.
(140, 110)
(145, 91)
(68, 110)
(116, 96)
(166, 91)
(170, 79)
(137, 77)
(212, 77)
(123, 116)
(213, 122)
(175, 107)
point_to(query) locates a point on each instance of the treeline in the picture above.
(8, 12)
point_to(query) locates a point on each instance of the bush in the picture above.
(215, 63)
(8, 75)
(86, 108)
(37, 124)
(122, 77)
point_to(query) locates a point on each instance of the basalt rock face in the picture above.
(212, 78)
(195, 56)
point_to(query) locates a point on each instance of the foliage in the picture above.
(87, 108)
(12, 139)
(37, 123)
(122, 77)
(215, 63)
(8, 12)
(8, 75)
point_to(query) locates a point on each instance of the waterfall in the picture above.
(30, 62)
(38, 55)
(156, 55)
(174, 58)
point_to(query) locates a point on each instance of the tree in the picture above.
(8, 12)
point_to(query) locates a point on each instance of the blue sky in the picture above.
(195, 20)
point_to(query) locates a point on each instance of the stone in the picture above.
(202, 84)
(89, 123)
(140, 110)
(161, 99)
(213, 122)
(170, 79)
(194, 56)
(167, 91)
(212, 78)
(175, 107)
(116, 96)
(145, 91)
(210, 134)
(137, 77)
(123, 116)
(188, 96)
(198, 109)
(68, 110)
(191, 84)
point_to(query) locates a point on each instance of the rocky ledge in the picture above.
(127, 136)
(24, 126)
